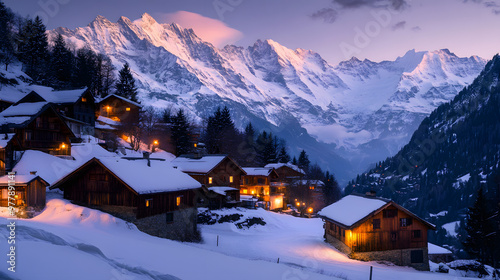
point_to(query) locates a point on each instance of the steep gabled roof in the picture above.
(159, 177)
(259, 171)
(21, 179)
(122, 98)
(353, 210)
(53, 96)
(289, 165)
(203, 165)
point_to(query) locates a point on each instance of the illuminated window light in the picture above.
(253, 192)
(84, 99)
(210, 180)
(149, 202)
(127, 109)
(245, 191)
(178, 201)
(231, 179)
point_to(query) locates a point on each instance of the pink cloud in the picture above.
(208, 29)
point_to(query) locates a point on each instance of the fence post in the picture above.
(217, 241)
(371, 272)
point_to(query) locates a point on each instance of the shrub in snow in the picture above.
(230, 218)
(443, 268)
(250, 222)
(469, 268)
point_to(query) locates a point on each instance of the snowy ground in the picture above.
(67, 241)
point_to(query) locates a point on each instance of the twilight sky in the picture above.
(336, 29)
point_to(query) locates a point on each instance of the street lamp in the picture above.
(155, 144)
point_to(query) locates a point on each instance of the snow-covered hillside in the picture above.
(365, 110)
(67, 241)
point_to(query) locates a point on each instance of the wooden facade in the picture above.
(94, 184)
(29, 193)
(389, 229)
(266, 187)
(119, 109)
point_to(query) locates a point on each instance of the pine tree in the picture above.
(283, 156)
(126, 85)
(62, 61)
(85, 69)
(33, 50)
(478, 228)
(304, 161)
(294, 161)
(180, 133)
(6, 41)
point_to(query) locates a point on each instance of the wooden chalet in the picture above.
(308, 194)
(32, 126)
(159, 199)
(76, 107)
(213, 171)
(374, 229)
(118, 108)
(288, 174)
(262, 182)
(29, 190)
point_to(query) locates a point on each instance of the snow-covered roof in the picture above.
(48, 167)
(279, 165)
(309, 182)
(437, 250)
(5, 140)
(198, 165)
(122, 98)
(60, 96)
(104, 126)
(222, 190)
(10, 94)
(248, 198)
(23, 109)
(87, 151)
(18, 179)
(351, 209)
(158, 177)
(258, 171)
(107, 121)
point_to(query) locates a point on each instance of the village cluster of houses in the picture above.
(161, 196)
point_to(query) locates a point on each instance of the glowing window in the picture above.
(311, 187)
(149, 202)
(231, 179)
(245, 191)
(178, 201)
(84, 99)
(210, 180)
(127, 109)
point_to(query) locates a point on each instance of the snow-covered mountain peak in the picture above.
(350, 104)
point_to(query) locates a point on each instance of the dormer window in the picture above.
(84, 99)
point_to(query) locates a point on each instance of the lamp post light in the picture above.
(154, 146)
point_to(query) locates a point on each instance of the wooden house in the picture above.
(118, 108)
(288, 174)
(308, 194)
(29, 191)
(261, 182)
(159, 199)
(374, 229)
(32, 126)
(77, 107)
(213, 171)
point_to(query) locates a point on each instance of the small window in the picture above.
(376, 223)
(178, 200)
(210, 180)
(332, 228)
(343, 233)
(311, 187)
(231, 179)
(84, 99)
(245, 191)
(28, 136)
(416, 234)
(5, 193)
(417, 256)
(128, 109)
(404, 222)
(149, 202)
(170, 218)
(260, 181)
(394, 236)
(390, 213)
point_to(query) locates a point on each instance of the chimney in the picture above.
(371, 193)
(145, 155)
(32, 172)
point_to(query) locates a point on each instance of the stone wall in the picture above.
(183, 227)
(397, 257)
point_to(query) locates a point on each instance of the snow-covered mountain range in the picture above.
(363, 111)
